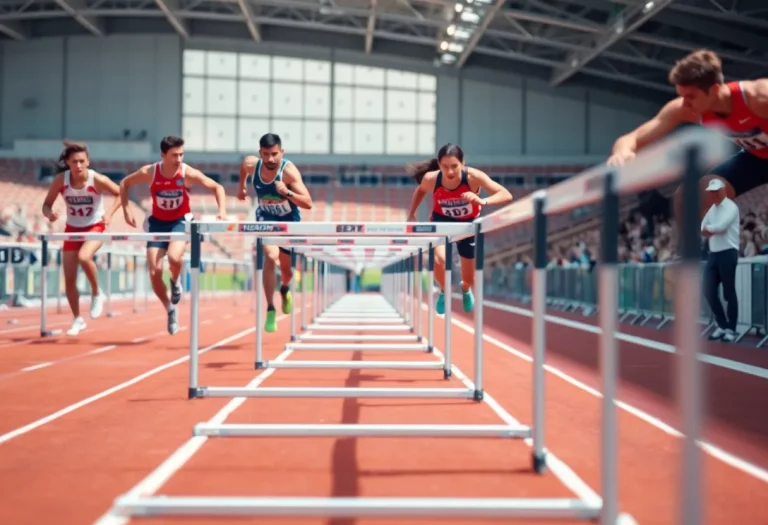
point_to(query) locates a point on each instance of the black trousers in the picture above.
(721, 269)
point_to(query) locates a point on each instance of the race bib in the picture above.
(169, 199)
(756, 141)
(275, 207)
(456, 208)
(80, 206)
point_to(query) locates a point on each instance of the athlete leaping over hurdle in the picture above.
(738, 109)
(455, 192)
(82, 189)
(280, 192)
(168, 182)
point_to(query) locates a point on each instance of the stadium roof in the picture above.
(633, 42)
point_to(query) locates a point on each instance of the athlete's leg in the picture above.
(286, 274)
(466, 249)
(268, 279)
(439, 272)
(85, 258)
(175, 254)
(69, 263)
(155, 256)
(742, 172)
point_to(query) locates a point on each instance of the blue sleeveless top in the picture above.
(273, 206)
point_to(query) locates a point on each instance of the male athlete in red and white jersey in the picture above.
(737, 109)
(169, 182)
(455, 192)
(82, 189)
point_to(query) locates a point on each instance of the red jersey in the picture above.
(746, 129)
(170, 197)
(449, 203)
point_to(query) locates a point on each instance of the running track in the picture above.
(85, 420)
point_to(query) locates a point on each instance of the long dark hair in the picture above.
(70, 148)
(418, 170)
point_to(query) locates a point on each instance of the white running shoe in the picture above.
(78, 325)
(97, 305)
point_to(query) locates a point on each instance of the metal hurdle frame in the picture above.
(109, 238)
(688, 152)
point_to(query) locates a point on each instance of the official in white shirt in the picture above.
(721, 226)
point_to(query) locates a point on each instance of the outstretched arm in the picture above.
(142, 176)
(300, 194)
(427, 184)
(194, 176)
(105, 185)
(246, 169)
(497, 194)
(671, 115)
(50, 198)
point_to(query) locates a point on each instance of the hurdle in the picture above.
(110, 238)
(682, 156)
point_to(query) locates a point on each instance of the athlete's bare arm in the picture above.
(671, 115)
(497, 194)
(142, 176)
(292, 181)
(427, 185)
(53, 192)
(246, 169)
(105, 185)
(757, 96)
(195, 176)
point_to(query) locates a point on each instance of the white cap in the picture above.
(715, 184)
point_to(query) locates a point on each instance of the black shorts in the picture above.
(465, 247)
(744, 171)
(158, 226)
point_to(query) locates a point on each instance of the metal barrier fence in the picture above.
(121, 273)
(646, 292)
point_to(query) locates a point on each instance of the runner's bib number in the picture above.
(275, 207)
(457, 210)
(170, 200)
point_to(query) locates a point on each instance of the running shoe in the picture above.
(271, 323)
(467, 299)
(173, 322)
(440, 304)
(78, 325)
(97, 305)
(285, 292)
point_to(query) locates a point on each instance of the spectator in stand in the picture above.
(721, 226)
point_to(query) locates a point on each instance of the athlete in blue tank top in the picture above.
(280, 192)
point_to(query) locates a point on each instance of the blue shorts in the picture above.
(465, 247)
(158, 226)
(743, 170)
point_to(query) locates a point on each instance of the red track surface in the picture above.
(73, 466)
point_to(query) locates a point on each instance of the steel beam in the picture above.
(623, 25)
(14, 30)
(490, 14)
(249, 16)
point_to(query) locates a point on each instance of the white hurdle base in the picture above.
(350, 320)
(343, 392)
(406, 347)
(462, 508)
(358, 365)
(361, 430)
(366, 314)
(354, 327)
(346, 337)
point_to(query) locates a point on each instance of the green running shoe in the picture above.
(271, 323)
(468, 300)
(440, 304)
(287, 302)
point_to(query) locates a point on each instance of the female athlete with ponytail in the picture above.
(455, 192)
(82, 190)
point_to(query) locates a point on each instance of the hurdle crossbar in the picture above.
(362, 430)
(687, 151)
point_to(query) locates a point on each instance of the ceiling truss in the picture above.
(630, 41)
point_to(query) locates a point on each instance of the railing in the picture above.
(646, 292)
(121, 274)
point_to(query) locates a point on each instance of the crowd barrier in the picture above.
(646, 293)
(122, 274)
